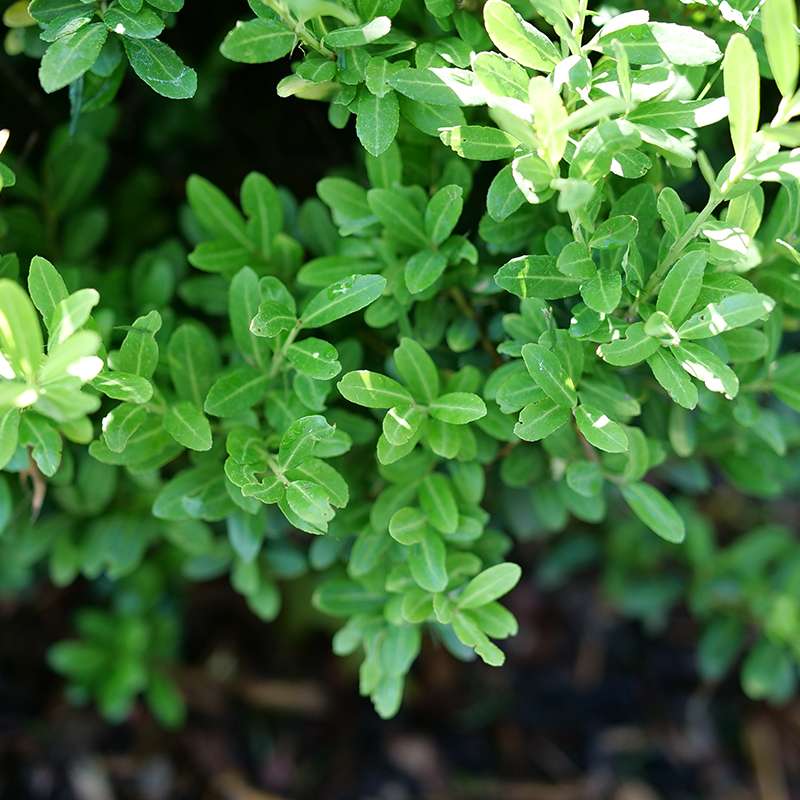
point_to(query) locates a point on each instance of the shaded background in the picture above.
(587, 706)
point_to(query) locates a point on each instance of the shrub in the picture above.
(380, 384)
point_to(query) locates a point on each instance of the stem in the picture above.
(675, 251)
(280, 354)
(300, 31)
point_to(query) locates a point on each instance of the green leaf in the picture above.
(262, 204)
(342, 298)
(217, 215)
(424, 86)
(442, 213)
(634, 348)
(423, 269)
(682, 286)
(540, 418)
(235, 392)
(46, 287)
(359, 35)
(401, 219)
(70, 56)
(536, 276)
(427, 562)
(314, 357)
(458, 408)
(615, 232)
(188, 426)
(517, 38)
(9, 434)
(603, 291)
(668, 372)
(733, 311)
(138, 353)
(244, 300)
(742, 88)
(20, 334)
(402, 423)
(779, 26)
(489, 585)
(43, 439)
(142, 24)
(71, 314)
(437, 500)
(193, 362)
(707, 367)
(479, 143)
(417, 370)
(124, 386)
(373, 390)
(600, 431)
(545, 368)
(786, 380)
(258, 41)
(160, 67)
(377, 120)
(575, 261)
(655, 511)
(121, 423)
(299, 441)
(310, 502)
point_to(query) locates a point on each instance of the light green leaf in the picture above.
(536, 276)
(489, 585)
(138, 353)
(20, 334)
(603, 291)
(517, 38)
(779, 27)
(427, 562)
(615, 232)
(742, 88)
(458, 408)
(314, 357)
(193, 362)
(46, 287)
(479, 143)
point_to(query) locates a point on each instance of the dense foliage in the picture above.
(386, 384)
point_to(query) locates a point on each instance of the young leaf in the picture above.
(779, 26)
(20, 334)
(46, 287)
(517, 38)
(489, 585)
(742, 88)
